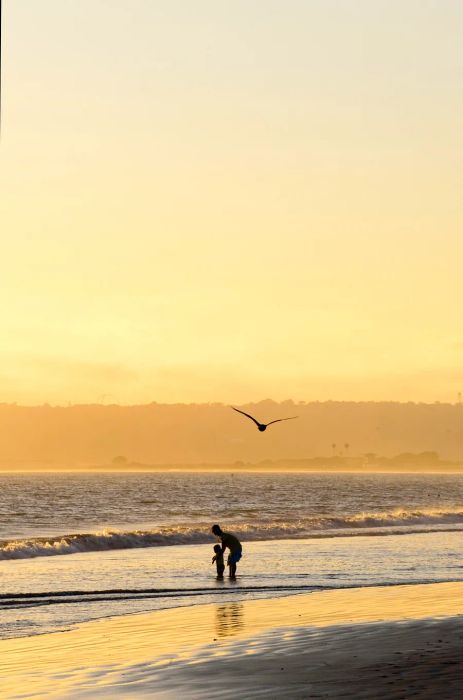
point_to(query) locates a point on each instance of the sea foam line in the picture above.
(387, 523)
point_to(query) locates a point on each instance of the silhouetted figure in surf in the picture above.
(218, 559)
(262, 426)
(233, 544)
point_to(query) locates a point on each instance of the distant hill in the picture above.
(213, 433)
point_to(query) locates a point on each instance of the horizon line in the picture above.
(298, 402)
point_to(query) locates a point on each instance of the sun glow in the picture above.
(236, 205)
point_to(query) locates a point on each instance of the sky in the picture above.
(230, 201)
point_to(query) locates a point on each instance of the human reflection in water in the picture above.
(229, 619)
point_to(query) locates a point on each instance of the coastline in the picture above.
(388, 642)
(285, 467)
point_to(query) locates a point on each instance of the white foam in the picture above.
(387, 523)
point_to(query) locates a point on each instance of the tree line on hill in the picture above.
(213, 434)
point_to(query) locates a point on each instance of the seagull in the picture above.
(261, 426)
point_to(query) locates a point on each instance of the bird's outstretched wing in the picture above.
(245, 414)
(278, 420)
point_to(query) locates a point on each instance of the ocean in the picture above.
(80, 546)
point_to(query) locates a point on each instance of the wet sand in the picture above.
(391, 642)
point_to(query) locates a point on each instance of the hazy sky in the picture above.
(228, 201)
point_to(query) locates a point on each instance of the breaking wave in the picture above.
(388, 523)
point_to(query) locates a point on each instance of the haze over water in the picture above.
(211, 204)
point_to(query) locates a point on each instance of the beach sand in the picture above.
(391, 642)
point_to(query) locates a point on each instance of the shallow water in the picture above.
(411, 526)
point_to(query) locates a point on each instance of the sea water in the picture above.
(80, 546)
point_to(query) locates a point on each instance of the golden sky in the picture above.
(228, 201)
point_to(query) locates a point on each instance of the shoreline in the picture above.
(317, 643)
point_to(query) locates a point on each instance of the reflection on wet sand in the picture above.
(229, 619)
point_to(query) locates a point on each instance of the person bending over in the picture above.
(233, 544)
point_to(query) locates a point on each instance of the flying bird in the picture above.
(261, 426)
